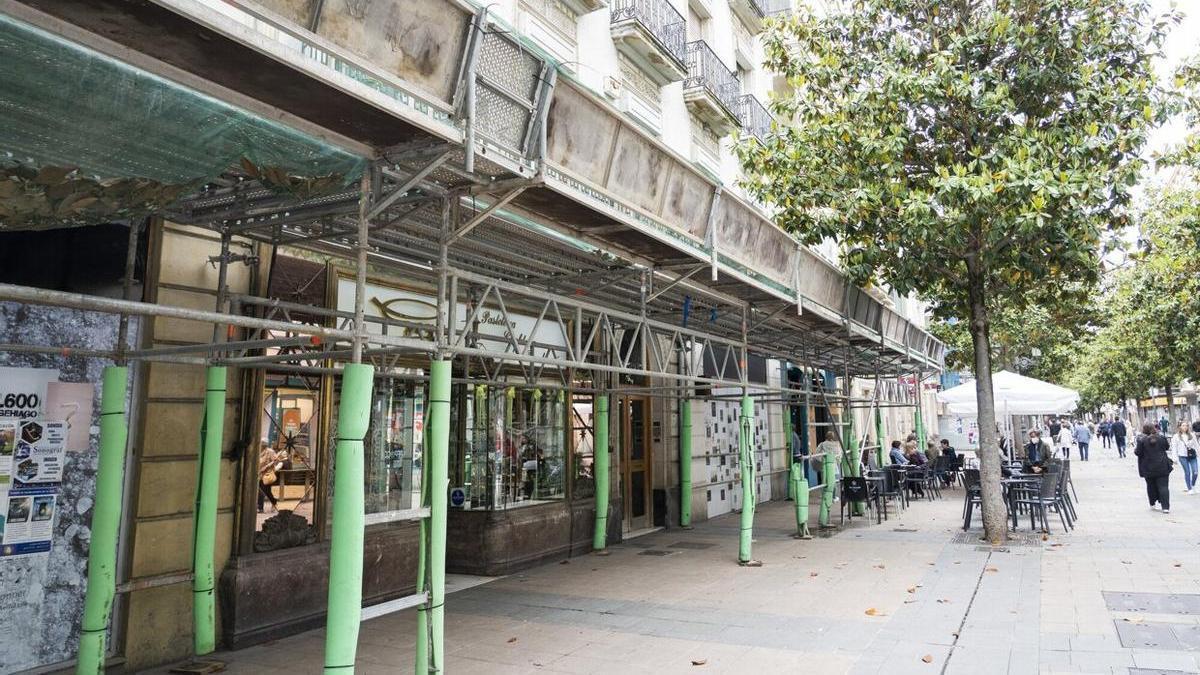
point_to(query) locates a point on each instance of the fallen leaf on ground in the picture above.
(1126, 562)
(813, 574)
(943, 601)
(880, 566)
(1178, 565)
(699, 662)
(990, 569)
(512, 640)
(1136, 619)
(1045, 537)
(912, 589)
(564, 562)
(873, 612)
(909, 602)
(928, 658)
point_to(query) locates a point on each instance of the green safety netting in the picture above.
(86, 138)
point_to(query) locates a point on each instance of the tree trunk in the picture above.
(995, 516)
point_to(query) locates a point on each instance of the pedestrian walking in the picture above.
(1184, 445)
(1105, 431)
(1064, 440)
(1119, 432)
(1083, 437)
(1154, 466)
(1055, 429)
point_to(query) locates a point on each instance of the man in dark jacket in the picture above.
(1154, 465)
(1118, 432)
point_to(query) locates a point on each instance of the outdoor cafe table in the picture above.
(1013, 485)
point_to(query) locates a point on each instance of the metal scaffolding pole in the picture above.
(204, 529)
(746, 456)
(106, 522)
(346, 547)
(600, 472)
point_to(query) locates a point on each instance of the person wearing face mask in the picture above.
(1037, 452)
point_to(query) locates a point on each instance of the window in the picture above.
(697, 23)
(287, 455)
(515, 447)
(583, 424)
(393, 449)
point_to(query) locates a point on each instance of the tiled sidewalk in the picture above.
(913, 594)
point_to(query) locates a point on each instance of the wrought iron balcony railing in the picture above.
(705, 70)
(666, 25)
(754, 116)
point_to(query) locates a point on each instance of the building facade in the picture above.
(532, 203)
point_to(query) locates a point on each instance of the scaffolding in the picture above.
(446, 217)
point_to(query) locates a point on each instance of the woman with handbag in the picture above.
(269, 462)
(1154, 465)
(1184, 444)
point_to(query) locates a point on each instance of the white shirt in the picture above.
(1181, 443)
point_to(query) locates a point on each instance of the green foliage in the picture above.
(1039, 341)
(1151, 334)
(973, 150)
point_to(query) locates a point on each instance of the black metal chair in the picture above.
(857, 489)
(1044, 499)
(972, 495)
(922, 479)
(1068, 481)
(893, 488)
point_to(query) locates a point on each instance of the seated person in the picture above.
(896, 455)
(913, 455)
(948, 451)
(1037, 451)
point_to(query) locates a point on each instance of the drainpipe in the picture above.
(746, 459)
(204, 521)
(438, 462)
(685, 462)
(787, 434)
(346, 549)
(106, 520)
(600, 471)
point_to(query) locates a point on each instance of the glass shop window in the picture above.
(515, 447)
(287, 460)
(583, 444)
(393, 449)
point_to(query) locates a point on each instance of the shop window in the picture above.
(515, 447)
(583, 438)
(287, 462)
(393, 449)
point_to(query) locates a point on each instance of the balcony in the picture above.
(652, 34)
(754, 116)
(751, 12)
(711, 90)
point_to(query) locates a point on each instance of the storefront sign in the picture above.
(458, 497)
(410, 305)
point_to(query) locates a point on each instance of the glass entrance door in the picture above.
(635, 463)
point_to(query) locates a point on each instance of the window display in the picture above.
(514, 447)
(393, 449)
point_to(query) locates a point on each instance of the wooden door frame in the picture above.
(647, 461)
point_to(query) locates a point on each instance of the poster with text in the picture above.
(23, 392)
(40, 452)
(28, 520)
(8, 445)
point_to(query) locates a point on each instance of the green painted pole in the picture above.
(685, 462)
(422, 651)
(439, 488)
(204, 519)
(854, 458)
(828, 464)
(600, 472)
(746, 459)
(879, 440)
(787, 443)
(346, 545)
(799, 486)
(106, 521)
(804, 444)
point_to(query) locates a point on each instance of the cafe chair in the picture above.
(857, 489)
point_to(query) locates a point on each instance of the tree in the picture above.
(972, 151)
(1038, 341)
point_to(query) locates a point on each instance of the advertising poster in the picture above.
(40, 452)
(29, 520)
(8, 445)
(23, 392)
